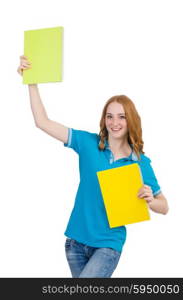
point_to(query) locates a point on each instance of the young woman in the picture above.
(93, 249)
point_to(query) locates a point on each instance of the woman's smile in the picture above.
(116, 129)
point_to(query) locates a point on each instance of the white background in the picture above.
(110, 47)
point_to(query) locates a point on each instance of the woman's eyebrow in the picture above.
(108, 113)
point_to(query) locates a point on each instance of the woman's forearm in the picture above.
(38, 110)
(159, 204)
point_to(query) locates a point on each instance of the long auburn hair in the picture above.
(133, 124)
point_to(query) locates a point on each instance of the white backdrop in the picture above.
(110, 47)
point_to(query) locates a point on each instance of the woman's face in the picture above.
(115, 120)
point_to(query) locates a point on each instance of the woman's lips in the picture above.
(116, 130)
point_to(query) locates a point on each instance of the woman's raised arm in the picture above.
(41, 119)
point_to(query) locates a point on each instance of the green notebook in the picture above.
(44, 49)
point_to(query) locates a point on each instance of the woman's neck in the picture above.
(119, 146)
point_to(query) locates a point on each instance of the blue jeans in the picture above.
(85, 261)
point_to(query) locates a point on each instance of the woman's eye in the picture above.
(121, 117)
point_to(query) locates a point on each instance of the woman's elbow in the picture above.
(164, 204)
(165, 209)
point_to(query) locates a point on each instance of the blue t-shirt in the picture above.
(88, 223)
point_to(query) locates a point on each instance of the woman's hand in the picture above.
(24, 64)
(146, 193)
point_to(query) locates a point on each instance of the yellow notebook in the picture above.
(44, 49)
(119, 187)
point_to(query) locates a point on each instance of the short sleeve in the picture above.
(78, 139)
(149, 176)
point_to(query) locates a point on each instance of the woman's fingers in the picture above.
(145, 191)
(23, 57)
(24, 64)
(144, 188)
(145, 194)
(19, 70)
(24, 60)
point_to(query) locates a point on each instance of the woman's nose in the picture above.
(115, 122)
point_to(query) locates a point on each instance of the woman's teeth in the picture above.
(116, 129)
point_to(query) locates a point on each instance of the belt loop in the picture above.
(72, 242)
